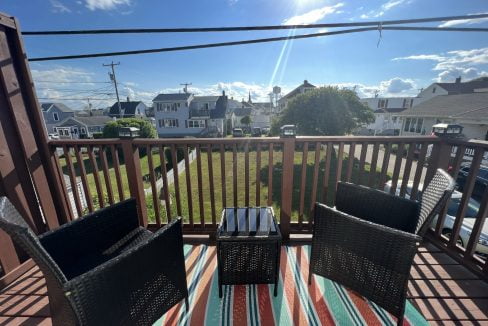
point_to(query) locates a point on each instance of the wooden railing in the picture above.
(196, 178)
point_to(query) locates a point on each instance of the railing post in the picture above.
(439, 158)
(134, 178)
(287, 186)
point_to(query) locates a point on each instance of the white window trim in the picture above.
(55, 116)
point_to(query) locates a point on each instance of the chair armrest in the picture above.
(138, 285)
(378, 206)
(94, 232)
(369, 258)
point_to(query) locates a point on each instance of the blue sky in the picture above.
(402, 63)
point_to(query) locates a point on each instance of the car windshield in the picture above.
(472, 209)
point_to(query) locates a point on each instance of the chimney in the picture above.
(128, 100)
(458, 80)
(223, 93)
(305, 81)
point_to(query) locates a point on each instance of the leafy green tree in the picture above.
(324, 111)
(146, 129)
(246, 120)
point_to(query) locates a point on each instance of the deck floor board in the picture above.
(444, 291)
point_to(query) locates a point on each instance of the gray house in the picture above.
(54, 113)
(171, 112)
(81, 127)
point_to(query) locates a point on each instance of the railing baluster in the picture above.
(467, 192)
(396, 169)
(477, 227)
(222, 175)
(234, 173)
(362, 160)
(72, 177)
(84, 181)
(313, 197)
(211, 183)
(200, 186)
(325, 186)
(106, 174)
(458, 159)
(164, 175)
(118, 179)
(270, 174)
(384, 165)
(188, 187)
(154, 189)
(407, 169)
(96, 176)
(246, 174)
(350, 161)
(338, 174)
(70, 212)
(174, 160)
(302, 184)
(374, 163)
(258, 174)
(419, 170)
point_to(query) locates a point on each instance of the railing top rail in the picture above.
(468, 143)
(369, 139)
(205, 141)
(83, 142)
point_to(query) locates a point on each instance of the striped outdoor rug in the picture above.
(323, 303)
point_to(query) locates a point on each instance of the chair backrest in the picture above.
(15, 226)
(434, 197)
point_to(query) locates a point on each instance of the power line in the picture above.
(70, 82)
(253, 28)
(73, 99)
(261, 40)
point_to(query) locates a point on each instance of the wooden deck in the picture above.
(445, 292)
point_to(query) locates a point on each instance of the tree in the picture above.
(246, 120)
(146, 129)
(324, 111)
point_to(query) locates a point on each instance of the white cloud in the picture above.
(106, 4)
(312, 16)
(384, 8)
(59, 7)
(392, 87)
(465, 21)
(465, 63)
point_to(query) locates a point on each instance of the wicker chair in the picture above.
(103, 268)
(368, 241)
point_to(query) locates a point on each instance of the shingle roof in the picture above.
(468, 106)
(205, 98)
(241, 112)
(220, 108)
(466, 87)
(296, 91)
(390, 110)
(129, 108)
(88, 121)
(62, 107)
(172, 97)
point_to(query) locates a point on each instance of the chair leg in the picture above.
(276, 289)
(309, 277)
(400, 321)
(220, 290)
(187, 306)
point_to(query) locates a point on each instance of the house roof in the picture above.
(129, 108)
(466, 87)
(241, 112)
(61, 107)
(205, 98)
(389, 110)
(88, 121)
(467, 106)
(296, 91)
(172, 97)
(220, 108)
(263, 105)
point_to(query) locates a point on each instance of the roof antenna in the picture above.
(380, 28)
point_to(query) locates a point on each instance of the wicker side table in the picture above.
(248, 247)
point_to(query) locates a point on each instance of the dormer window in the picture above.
(433, 90)
(55, 116)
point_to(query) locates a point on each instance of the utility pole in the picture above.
(112, 78)
(185, 89)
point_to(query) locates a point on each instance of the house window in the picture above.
(412, 124)
(411, 103)
(75, 131)
(433, 90)
(394, 119)
(382, 104)
(196, 123)
(420, 122)
(407, 124)
(83, 130)
(168, 123)
(55, 116)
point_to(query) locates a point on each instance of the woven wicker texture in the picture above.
(103, 269)
(369, 258)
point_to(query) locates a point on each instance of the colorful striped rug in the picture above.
(323, 303)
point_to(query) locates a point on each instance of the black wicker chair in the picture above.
(103, 268)
(368, 241)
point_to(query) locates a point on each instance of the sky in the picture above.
(395, 63)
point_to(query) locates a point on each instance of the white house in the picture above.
(303, 88)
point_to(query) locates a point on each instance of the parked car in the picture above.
(237, 132)
(481, 180)
(452, 208)
(256, 132)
